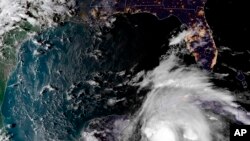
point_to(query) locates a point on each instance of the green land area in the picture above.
(8, 52)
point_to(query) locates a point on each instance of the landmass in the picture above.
(8, 53)
(198, 38)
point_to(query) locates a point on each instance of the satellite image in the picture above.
(124, 70)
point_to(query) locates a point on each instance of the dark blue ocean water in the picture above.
(66, 76)
(50, 94)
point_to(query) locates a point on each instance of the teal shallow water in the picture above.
(66, 77)
(51, 67)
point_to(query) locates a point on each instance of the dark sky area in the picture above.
(229, 21)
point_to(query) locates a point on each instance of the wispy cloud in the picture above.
(175, 40)
(184, 105)
(36, 12)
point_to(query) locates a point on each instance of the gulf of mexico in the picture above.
(35, 103)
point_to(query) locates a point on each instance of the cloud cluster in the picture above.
(36, 12)
(183, 105)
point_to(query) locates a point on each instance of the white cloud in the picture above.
(88, 136)
(177, 101)
(43, 11)
(179, 38)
